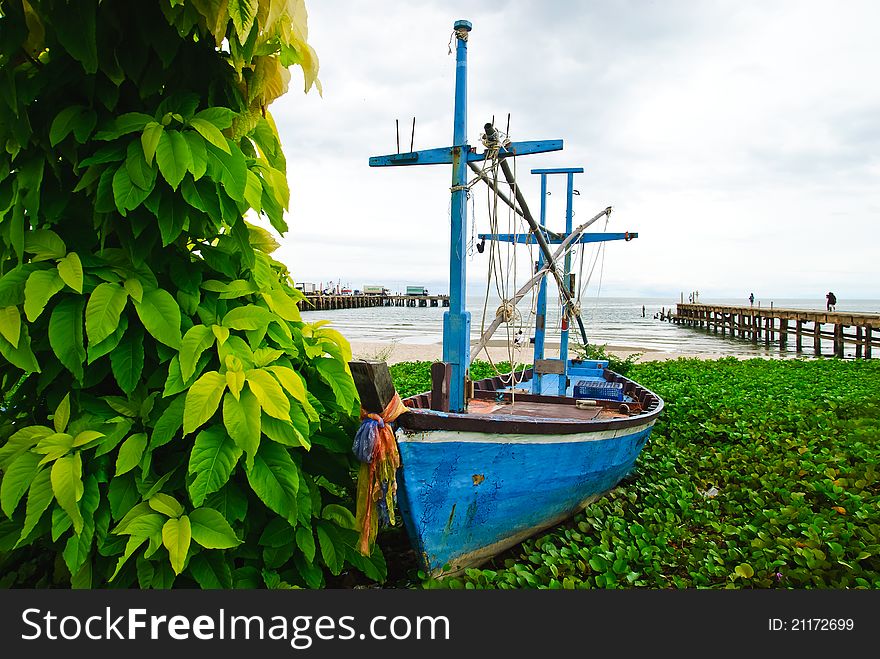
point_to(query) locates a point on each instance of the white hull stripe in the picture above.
(446, 436)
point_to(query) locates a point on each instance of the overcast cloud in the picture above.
(740, 139)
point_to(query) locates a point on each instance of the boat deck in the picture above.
(541, 410)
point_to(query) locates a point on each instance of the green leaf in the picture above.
(142, 175)
(21, 441)
(211, 570)
(201, 195)
(202, 400)
(248, 317)
(130, 453)
(71, 272)
(127, 360)
(103, 310)
(213, 457)
(342, 516)
(10, 324)
(333, 559)
(64, 123)
(243, 13)
(126, 194)
(176, 536)
(21, 355)
(74, 25)
(135, 289)
(150, 139)
(274, 478)
(122, 496)
(219, 116)
(199, 154)
(197, 339)
(211, 133)
(745, 571)
(86, 437)
(229, 168)
(17, 479)
(75, 119)
(40, 495)
(253, 191)
(242, 420)
(173, 217)
(130, 122)
(173, 157)
(169, 423)
(305, 540)
(211, 530)
(166, 504)
(44, 244)
(291, 381)
(160, 315)
(62, 414)
(38, 290)
(54, 446)
(277, 533)
(12, 284)
(269, 393)
(335, 374)
(68, 487)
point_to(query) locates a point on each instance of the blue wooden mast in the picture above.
(456, 321)
(538, 384)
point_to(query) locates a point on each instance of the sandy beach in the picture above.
(395, 352)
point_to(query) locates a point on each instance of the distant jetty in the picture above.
(324, 302)
(772, 324)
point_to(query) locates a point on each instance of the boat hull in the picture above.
(466, 496)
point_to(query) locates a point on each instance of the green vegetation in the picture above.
(167, 418)
(759, 474)
(412, 378)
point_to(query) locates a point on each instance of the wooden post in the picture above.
(768, 330)
(798, 335)
(783, 333)
(441, 376)
(756, 328)
(373, 382)
(838, 340)
(817, 337)
(868, 329)
(858, 341)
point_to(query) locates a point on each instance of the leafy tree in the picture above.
(167, 417)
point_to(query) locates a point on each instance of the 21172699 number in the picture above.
(810, 624)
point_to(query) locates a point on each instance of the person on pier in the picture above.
(831, 299)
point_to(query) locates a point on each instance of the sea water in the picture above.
(611, 321)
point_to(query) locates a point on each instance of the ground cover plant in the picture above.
(166, 418)
(759, 474)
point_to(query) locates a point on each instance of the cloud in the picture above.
(739, 140)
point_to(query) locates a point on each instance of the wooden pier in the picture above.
(321, 302)
(779, 325)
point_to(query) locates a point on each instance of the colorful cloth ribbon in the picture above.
(375, 447)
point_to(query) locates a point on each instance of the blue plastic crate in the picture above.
(600, 390)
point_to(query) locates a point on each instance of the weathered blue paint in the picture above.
(457, 321)
(563, 338)
(460, 497)
(520, 149)
(444, 155)
(555, 238)
(559, 170)
(541, 304)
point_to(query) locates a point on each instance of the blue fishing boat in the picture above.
(478, 466)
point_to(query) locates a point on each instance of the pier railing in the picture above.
(779, 324)
(323, 302)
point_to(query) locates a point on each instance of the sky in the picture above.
(741, 140)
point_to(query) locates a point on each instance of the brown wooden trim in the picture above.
(421, 417)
